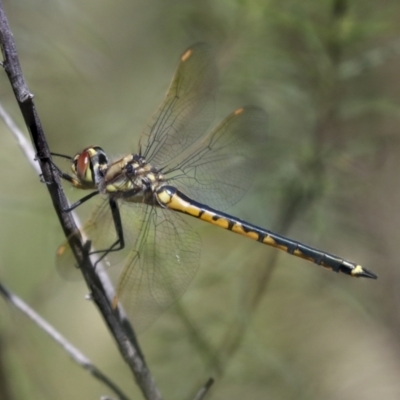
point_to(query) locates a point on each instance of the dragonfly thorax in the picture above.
(131, 176)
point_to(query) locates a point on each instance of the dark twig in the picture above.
(204, 390)
(204, 348)
(75, 354)
(120, 328)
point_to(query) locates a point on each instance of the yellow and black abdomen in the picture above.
(170, 197)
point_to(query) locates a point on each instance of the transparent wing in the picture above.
(218, 171)
(161, 268)
(187, 109)
(160, 258)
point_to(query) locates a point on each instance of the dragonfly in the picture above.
(179, 170)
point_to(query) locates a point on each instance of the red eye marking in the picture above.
(82, 163)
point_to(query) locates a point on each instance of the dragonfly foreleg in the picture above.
(80, 201)
(119, 244)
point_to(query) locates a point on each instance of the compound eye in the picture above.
(82, 168)
(90, 166)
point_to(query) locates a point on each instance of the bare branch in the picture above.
(75, 353)
(119, 327)
(25, 146)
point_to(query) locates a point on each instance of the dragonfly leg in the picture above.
(119, 244)
(62, 156)
(60, 173)
(81, 201)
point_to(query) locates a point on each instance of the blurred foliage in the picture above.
(266, 325)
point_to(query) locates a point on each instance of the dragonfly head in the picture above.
(90, 166)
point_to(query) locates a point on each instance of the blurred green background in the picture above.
(265, 324)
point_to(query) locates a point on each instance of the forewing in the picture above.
(219, 170)
(187, 109)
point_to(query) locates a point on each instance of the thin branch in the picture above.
(204, 390)
(119, 327)
(75, 353)
(25, 146)
(204, 348)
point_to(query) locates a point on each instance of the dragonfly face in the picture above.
(179, 171)
(89, 167)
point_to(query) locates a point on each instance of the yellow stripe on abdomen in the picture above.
(238, 228)
(177, 203)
